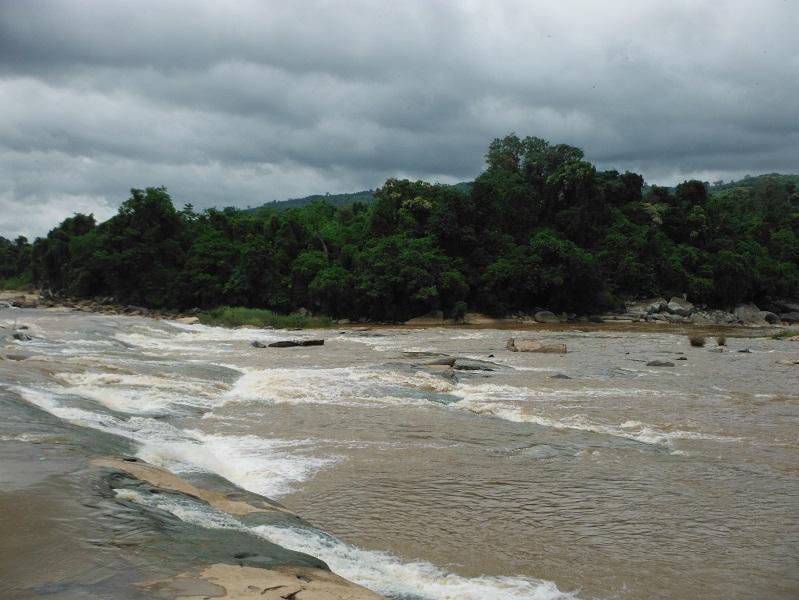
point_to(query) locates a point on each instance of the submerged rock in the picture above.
(660, 363)
(560, 376)
(22, 337)
(257, 344)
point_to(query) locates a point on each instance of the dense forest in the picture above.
(539, 228)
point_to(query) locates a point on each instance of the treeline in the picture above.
(540, 227)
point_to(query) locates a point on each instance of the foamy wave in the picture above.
(340, 386)
(141, 393)
(264, 466)
(378, 571)
(270, 467)
(388, 575)
(633, 430)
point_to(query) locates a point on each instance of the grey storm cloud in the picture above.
(240, 103)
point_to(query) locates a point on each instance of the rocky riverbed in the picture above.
(165, 459)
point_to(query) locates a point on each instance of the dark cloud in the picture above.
(238, 103)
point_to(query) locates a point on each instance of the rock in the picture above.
(718, 350)
(660, 363)
(595, 319)
(646, 307)
(713, 317)
(560, 376)
(745, 351)
(533, 346)
(675, 318)
(790, 317)
(257, 344)
(788, 361)
(188, 320)
(295, 343)
(769, 317)
(786, 306)
(750, 314)
(448, 361)
(545, 316)
(683, 358)
(479, 319)
(467, 364)
(433, 318)
(22, 337)
(678, 306)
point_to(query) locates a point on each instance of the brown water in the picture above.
(625, 481)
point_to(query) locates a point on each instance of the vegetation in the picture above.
(229, 316)
(539, 228)
(721, 340)
(697, 341)
(785, 334)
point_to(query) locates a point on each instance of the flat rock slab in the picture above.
(233, 582)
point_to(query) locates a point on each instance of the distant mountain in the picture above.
(364, 197)
(749, 182)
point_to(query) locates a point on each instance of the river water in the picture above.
(503, 481)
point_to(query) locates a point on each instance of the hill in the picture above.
(364, 197)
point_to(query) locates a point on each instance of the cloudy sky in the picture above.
(240, 103)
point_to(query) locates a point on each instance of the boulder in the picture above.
(545, 316)
(678, 306)
(257, 344)
(21, 337)
(295, 343)
(749, 314)
(433, 318)
(188, 320)
(533, 346)
(660, 363)
(479, 319)
(790, 317)
(560, 376)
(769, 317)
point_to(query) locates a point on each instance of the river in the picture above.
(583, 475)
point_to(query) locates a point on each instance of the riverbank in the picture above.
(658, 312)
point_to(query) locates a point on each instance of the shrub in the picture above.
(697, 341)
(236, 316)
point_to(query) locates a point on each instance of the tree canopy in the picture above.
(540, 227)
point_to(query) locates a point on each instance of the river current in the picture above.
(523, 475)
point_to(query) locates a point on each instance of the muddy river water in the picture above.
(515, 475)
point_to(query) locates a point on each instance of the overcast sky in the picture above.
(240, 103)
